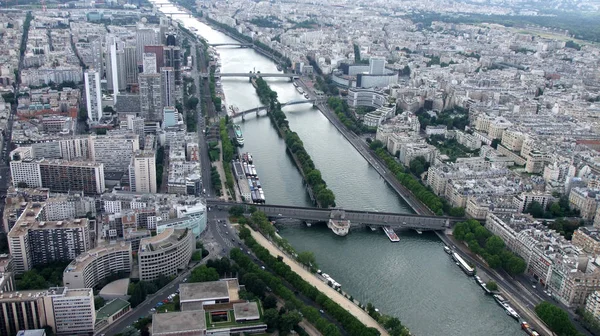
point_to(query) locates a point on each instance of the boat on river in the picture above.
(239, 138)
(389, 232)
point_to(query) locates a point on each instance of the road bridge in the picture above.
(234, 44)
(357, 218)
(264, 108)
(256, 74)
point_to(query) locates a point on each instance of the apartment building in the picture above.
(26, 173)
(115, 150)
(33, 241)
(585, 200)
(92, 267)
(67, 311)
(142, 172)
(523, 200)
(165, 253)
(588, 239)
(65, 176)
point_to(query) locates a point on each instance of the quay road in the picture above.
(400, 221)
(520, 298)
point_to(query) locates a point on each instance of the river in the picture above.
(413, 279)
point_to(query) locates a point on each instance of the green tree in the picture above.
(416, 167)
(556, 319)
(203, 274)
(99, 302)
(191, 103)
(494, 245)
(288, 321)
(32, 280)
(271, 317)
(535, 209)
(376, 144)
(236, 211)
(307, 258)
(492, 285)
(269, 302)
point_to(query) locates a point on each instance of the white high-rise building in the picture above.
(376, 65)
(26, 171)
(73, 310)
(142, 172)
(149, 63)
(167, 85)
(112, 73)
(93, 95)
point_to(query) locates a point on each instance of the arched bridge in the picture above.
(372, 218)
(263, 108)
(241, 45)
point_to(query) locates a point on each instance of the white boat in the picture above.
(340, 227)
(389, 232)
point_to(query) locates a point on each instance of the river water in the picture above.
(414, 279)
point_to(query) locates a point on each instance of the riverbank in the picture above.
(352, 308)
(505, 288)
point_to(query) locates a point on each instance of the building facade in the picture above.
(165, 253)
(95, 265)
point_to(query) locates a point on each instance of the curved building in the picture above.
(366, 97)
(93, 266)
(165, 253)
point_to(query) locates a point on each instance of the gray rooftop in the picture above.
(201, 291)
(246, 311)
(178, 322)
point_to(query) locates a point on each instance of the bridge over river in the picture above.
(264, 108)
(371, 218)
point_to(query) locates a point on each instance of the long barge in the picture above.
(257, 195)
(463, 264)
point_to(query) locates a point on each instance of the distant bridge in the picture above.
(254, 75)
(234, 44)
(263, 108)
(371, 218)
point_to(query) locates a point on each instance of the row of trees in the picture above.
(324, 196)
(139, 290)
(342, 111)
(215, 180)
(489, 246)
(431, 200)
(348, 321)
(228, 151)
(556, 319)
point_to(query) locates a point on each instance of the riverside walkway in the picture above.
(360, 314)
